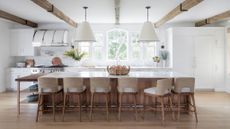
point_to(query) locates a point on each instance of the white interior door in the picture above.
(203, 61)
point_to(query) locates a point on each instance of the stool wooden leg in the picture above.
(53, 104)
(178, 107)
(194, 106)
(155, 106)
(135, 104)
(144, 106)
(171, 107)
(119, 106)
(79, 103)
(38, 108)
(107, 105)
(91, 108)
(162, 110)
(85, 100)
(64, 105)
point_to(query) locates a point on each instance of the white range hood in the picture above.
(50, 38)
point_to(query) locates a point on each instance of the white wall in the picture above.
(4, 52)
(227, 61)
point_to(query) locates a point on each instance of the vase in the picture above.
(76, 63)
(164, 63)
(156, 64)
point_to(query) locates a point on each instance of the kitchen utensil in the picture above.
(56, 61)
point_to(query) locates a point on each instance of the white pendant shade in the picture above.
(85, 33)
(148, 33)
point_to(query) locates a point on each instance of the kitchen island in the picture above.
(145, 80)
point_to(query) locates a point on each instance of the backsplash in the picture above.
(47, 60)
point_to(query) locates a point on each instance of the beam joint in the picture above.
(17, 19)
(213, 19)
(182, 7)
(55, 11)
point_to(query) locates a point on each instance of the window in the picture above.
(98, 46)
(118, 45)
(84, 47)
(140, 51)
(135, 46)
(117, 40)
(149, 51)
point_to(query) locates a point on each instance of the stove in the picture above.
(47, 69)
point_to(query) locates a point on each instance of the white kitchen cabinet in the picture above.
(14, 73)
(199, 52)
(21, 42)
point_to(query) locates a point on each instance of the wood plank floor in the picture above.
(213, 113)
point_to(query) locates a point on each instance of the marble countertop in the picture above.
(137, 74)
(102, 67)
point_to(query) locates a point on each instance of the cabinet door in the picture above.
(183, 54)
(19, 72)
(204, 61)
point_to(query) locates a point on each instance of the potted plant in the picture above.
(156, 59)
(164, 55)
(75, 54)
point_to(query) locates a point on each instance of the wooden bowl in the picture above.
(118, 70)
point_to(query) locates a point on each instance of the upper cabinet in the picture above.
(21, 42)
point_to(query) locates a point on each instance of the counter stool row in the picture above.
(101, 86)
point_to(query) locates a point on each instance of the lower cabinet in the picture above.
(14, 73)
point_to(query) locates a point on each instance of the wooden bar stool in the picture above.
(185, 87)
(47, 86)
(73, 86)
(161, 91)
(127, 86)
(100, 86)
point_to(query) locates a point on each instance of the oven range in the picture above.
(47, 69)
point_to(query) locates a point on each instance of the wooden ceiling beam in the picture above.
(213, 19)
(17, 19)
(184, 6)
(55, 11)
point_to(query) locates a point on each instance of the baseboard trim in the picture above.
(204, 90)
(222, 89)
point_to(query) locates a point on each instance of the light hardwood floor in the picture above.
(213, 113)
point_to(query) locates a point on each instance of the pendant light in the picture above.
(85, 33)
(148, 33)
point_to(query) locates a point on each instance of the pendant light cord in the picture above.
(85, 12)
(147, 8)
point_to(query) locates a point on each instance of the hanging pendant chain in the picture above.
(85, 12)
(147, 7)
(85, 15)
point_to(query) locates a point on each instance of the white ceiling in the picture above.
(102, 11)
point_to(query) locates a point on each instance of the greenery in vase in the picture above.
(164, 55)
(75, 54)
(156, 59)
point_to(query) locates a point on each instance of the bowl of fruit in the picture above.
(118, 70)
